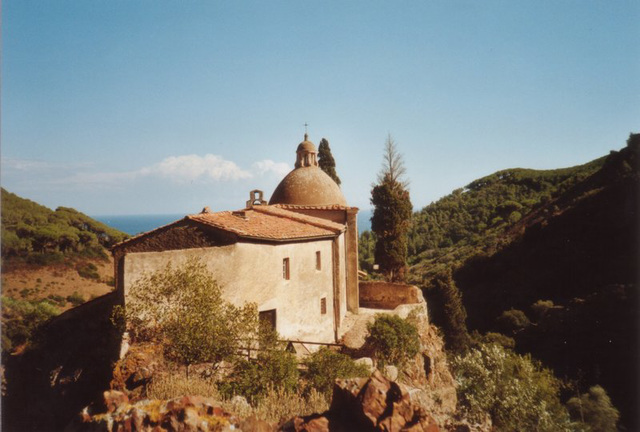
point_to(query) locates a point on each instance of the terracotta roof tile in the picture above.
(269, 223)
(313, 207)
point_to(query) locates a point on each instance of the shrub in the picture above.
(88, 271)
(393, 340)
(594, 411)
(513, 321)
(254, 378)
(498, 338)
(541, 307)
(21, 318)
(76, 299)
(182, 308)
(514, 390)
(325, 365)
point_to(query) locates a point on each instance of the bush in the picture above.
(513, 321)
(253, 379)
(594, 411)
(393, 340)
(514, 390)
(325, 365)
(21, 319)
(76, 299)
(88, 271)
(182, 308)
(541, 307)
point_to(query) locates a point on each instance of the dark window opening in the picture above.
(269, 317)
(323, 305)
(318, 260)
(285, 268)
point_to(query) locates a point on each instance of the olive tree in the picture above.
(182, 308)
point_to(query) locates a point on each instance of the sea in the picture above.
(136, 224)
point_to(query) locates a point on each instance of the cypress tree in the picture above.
(454, 314)
(392, 213)
(326, 161)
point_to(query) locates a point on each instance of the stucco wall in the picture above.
(252, 272)
(386, 295)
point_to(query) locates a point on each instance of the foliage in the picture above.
(393, 339)
(254, 378)
(594, 411)
(452, 313)
(170, 386)
(541, 307)
(499, 339)
(183, 308)
(471, 221)
(366, 250)
(513, 321)
(325, 365)
(391, 218)
(88, 270)
(326, 161)
(34, 232)
(514, 390)
(21, 318)
(76, 299)
(278, 405)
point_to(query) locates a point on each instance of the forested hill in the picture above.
(550, 259)
(475, 219)
(37, 234)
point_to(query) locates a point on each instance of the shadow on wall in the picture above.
(67, 368)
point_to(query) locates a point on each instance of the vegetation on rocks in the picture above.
(393, 340)
(325, 366)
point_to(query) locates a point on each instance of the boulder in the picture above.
(373, 404)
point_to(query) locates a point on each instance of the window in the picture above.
(268, 316)
(285, 268)
(323, 305)
(318, 260)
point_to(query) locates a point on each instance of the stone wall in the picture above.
(387, 295)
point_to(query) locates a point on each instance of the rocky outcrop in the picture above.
(188, 413)
(373, 404)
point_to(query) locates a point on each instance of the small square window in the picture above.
(285, 268)
(318, 260)
(323, 305)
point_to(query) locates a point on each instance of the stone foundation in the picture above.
(387, 295)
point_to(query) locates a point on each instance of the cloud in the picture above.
(180, 169)
(190, 168)
(268, 166)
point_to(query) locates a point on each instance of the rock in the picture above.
(391, 372)
(374, 404)
(253, 424)
(366, 361)
(114, 399)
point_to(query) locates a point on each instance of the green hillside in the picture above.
(550, 259)
(474, 220)
(37, 234)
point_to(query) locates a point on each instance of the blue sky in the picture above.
(150, 107)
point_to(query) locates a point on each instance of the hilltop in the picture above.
(550, 259)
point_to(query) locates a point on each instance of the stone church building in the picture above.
(295, 257)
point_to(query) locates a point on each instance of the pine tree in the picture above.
(326, 161)
(454, 315)
(392, 213)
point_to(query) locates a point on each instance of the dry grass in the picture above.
(175, 385)
(275, 407)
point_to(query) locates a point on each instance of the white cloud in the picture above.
(268, 166)
(193, 167)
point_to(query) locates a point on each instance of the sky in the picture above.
(154, 107)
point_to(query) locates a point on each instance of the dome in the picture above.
(308, 186)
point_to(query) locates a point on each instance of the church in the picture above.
(296, 256)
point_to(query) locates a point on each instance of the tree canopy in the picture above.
(391, 218)
(326, 161)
